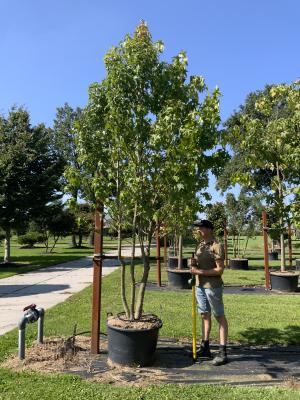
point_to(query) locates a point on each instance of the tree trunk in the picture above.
(123, 271)
(281, 220)
(180, 252)
(74, 243)
(132, 266)
(7, 258)
(146, 263)
(80, 237)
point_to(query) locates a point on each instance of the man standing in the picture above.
(208, 266)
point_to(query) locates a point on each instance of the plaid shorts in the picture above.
(210, 300)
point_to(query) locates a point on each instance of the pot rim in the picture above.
(285, 274)
(133, 330)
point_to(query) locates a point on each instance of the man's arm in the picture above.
(217, 271)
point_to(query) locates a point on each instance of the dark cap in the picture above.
(204, 223)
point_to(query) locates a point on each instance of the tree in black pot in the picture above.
(142, 139)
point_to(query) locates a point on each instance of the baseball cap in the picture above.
(204, 223)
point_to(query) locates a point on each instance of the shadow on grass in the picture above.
(258, 336)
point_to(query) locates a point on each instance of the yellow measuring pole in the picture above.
(194, 319)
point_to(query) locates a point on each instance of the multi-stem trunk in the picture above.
(132, 265)
(123, 275)
(7, 245)
(281, 219)
(245, 247)
(146, 267)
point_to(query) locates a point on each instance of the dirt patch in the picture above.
(55, 354)
(144, 323)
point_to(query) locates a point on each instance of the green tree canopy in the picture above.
(143, 139)
(264, 136)
(30, 171)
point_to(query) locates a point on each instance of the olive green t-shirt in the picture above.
(206, 255)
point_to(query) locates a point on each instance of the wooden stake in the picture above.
(97, 280)
(290, 245)
(266, 255)
(226, 244)
(158, 266)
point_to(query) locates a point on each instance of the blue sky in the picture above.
(51, 51)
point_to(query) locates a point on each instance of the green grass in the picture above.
(34, 386)
(35, 258)
(255, 319)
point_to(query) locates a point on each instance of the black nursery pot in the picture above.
(173, 262)
(297, 264)
(179, 279)
(132, 347)
(284, 281)
(273, 255)
(238, 263)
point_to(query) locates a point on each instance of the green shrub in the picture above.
(30, 239)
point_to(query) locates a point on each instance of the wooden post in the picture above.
(165, 250)
(290, 245)
(266, 255)
(158, 266)
(226, 244)
(97, 280)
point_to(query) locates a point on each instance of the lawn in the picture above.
(253, 319)
(35, 258)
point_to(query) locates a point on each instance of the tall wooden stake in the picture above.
(165, 250)
(158, 266)
(290, 245)
(97, 280)
(266, 255)
(226, 244)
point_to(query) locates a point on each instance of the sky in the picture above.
(50, 52)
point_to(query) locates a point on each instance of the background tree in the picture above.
(143, 140)
(243, 218)
(64, 140)
(55, 222)
(265, 139)
(30, 171)
(216, 213)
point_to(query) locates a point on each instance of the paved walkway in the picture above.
(46, 287)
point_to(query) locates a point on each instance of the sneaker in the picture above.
(204, 352)
(220, 359)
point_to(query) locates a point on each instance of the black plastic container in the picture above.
(132, 347)
(284, 281)
(238, 263)
(179, 279)
(297, 264)
(173, 262)
(273, 255)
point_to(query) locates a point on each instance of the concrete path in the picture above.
(46, 287)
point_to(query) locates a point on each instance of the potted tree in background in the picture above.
(264, 136)
(142, 139)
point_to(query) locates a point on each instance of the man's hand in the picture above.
(196, 271)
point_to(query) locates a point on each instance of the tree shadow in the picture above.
(258, 336)
(26, 290)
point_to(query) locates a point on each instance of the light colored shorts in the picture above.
(210, 300)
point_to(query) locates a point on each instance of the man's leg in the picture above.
(206, 325)
(223, 329)
(205, 312)
(215, 297)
